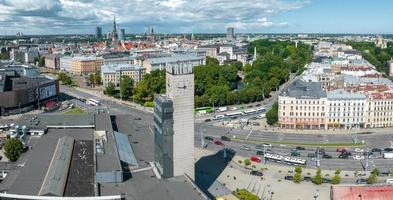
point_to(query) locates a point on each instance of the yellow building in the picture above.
(85, 65)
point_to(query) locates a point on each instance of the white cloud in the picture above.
(81, 16)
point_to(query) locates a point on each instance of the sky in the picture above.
(196, 16)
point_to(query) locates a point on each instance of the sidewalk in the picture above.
(108, 98)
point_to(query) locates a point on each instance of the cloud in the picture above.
(81, 16)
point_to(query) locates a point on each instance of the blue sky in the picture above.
(186, 16)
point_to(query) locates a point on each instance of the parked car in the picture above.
(208, 120)
(289, 178)
(225, 138)
(325, 180)
(300, 148)
(219, 143)
(245, 148)
(376, 150)
(209, 138)
(359, 150)
(361, 181)
(388, 149)
(311, 155)
(343, 156)
(307, 178)
(326, 156)
(358, 157)
(367, 153)
(256, 159)
(256, 173)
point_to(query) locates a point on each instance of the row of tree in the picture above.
(373, 54)
(125, 91)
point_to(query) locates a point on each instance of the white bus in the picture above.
(285, 160)
(234, 114)
(250, 111)
(93, 102)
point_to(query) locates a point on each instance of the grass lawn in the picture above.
(244, 194)
(75, 111)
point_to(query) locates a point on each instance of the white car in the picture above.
(245, 148)
(358, 157)
(261, 116)
(359, 150)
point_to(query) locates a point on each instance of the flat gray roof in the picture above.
(109, 160)
(126, 154)
(39, 158)
(301, 89)
(56, 176)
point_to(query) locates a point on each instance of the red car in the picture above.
(256, 159)
(219, 143)
(341, 150)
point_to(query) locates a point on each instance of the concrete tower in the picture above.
(174, 124)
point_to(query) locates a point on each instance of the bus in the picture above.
(261, 109)
(250, 111)
(93, 102)
(285, 160)
(234, 114)
(203, 110)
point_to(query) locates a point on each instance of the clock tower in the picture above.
(174, 124)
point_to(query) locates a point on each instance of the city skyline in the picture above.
(207, 16)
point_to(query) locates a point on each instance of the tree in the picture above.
(272, 114)
(92, 79)
(247, 68)
(338, 171)
(372, 179)
(298, 169)
(110, 89)
(13, 148)
(211, 61)
(376, 172)
(317, 179)
(247, 162)
(97, 78)
(297, 178)
(126, 87)
(64, 78)
(336, 179)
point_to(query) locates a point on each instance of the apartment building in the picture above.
(185, 60)
(85, 65)
(345, 93)
(113, 73)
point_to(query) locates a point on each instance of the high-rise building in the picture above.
(230, 33)
(174, 124)
(98, 32)
(115, 37)
(122, 34)
(390, 68)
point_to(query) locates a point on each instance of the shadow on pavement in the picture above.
(209, 168)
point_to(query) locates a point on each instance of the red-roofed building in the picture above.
(362, 192)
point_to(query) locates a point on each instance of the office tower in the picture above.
(230, 33)
(98, 32)
(122, 34)
(174, 124)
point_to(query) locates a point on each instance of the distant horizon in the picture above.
(55, 17)
(220, 33)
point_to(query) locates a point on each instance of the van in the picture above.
(389, 181)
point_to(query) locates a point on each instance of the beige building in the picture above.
(85, 65)
(302, 106)
(113, 73)
(52, 61)
(380, 110)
